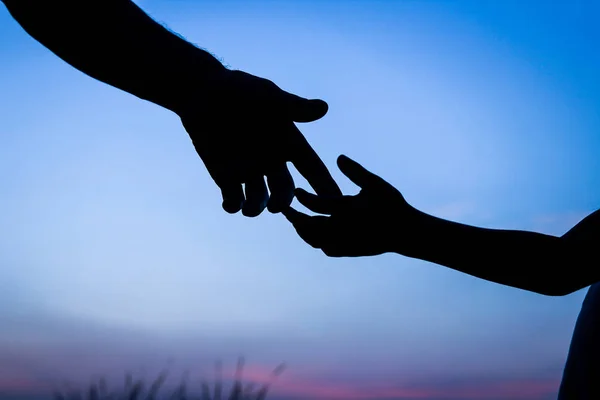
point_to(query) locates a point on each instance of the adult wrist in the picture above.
(199, 78)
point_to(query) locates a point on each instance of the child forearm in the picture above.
(531, 261)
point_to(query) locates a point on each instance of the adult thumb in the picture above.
(300, 109)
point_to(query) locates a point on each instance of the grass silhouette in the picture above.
(138, 390)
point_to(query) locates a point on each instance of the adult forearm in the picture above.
(115, 42)
(527, 260)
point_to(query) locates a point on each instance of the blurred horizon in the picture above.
(115, 254)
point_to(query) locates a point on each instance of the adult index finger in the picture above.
(311, 167)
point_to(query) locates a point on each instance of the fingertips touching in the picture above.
(281, 186)
(318, 204)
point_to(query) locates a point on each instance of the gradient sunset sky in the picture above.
(115, 254)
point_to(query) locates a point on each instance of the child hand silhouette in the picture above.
(375, 221)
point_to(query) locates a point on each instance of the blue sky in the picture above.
(115, 252)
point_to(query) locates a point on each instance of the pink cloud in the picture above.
(296, 385)
(317, 384)
(19, 380)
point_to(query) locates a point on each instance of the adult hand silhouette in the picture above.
(243, 129)
(375, 221)
(241, 125)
